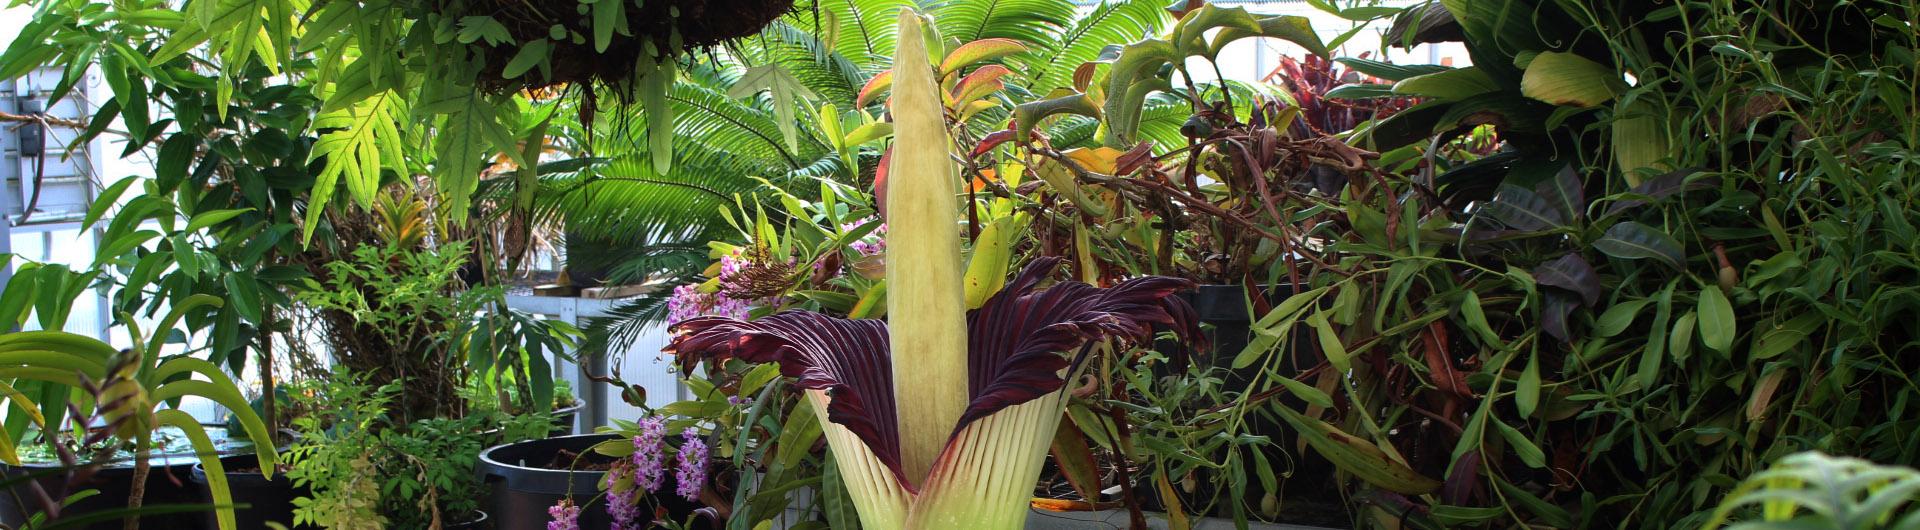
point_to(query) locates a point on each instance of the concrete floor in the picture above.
(1117, 519)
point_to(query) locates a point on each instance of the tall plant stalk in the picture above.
(946, 422)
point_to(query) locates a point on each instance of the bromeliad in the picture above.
(941, 417)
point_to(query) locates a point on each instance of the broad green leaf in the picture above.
(1680, 342)
(787, 92)
(216, 474)
(532, 53)
(991, 257)
(655, 83)
(1291, 28)
(1717, 324)
(365, 139)
(1563, 78)
(609, 16)
(1631, 240)
(1389, 71)
(1454, 84)
(1618, 317)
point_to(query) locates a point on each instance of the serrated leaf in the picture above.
(364, 140)
(461, 148)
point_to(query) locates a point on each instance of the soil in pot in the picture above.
(168, 483)
(257, 499)
(478, 520)
(526, 478)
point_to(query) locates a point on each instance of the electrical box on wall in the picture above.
(33, 136)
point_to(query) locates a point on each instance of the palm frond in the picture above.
(1035, 22)
(1112, 22)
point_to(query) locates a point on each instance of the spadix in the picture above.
(944, 422)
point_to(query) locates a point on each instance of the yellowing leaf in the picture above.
(1102, 160)
(1566, 79)
(978, 51)
(880, 82)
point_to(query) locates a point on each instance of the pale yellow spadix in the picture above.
(926, 305)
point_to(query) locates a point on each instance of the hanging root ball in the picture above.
(660, 29)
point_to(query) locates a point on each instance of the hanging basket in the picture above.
(555, 43)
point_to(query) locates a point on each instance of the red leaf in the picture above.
(992, 140)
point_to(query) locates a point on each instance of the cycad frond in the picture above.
(1029, 21)
(1111, 22)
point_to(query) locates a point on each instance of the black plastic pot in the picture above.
(1229, 328)
(479, 521)
(257, 499)
(522, 487)
(563, 418)
(114, 484)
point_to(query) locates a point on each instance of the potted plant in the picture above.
(886, 433)
(126, 389)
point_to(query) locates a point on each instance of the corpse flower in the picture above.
(941, 417)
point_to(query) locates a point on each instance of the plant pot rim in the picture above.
(493, 467)
(181, 460)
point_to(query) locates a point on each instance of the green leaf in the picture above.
(609, 16)
(1717, 324)
(364, 139)
(1454, 84)
(1680, 342)
(1529, 452)
(786, 90)
(461, 148)
(203, 220)
(107, 198)
(246, 296)
(1313, 396)
(479, 27)
(655, 82)
(1631, 240)
(1563, 78)
(1389, 71)
(1330, 343)
(834, 499)
(216, 475)
(1291, 28)
(531, 54)
(1476, 318)
(1618, 317)
(1526, 398)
